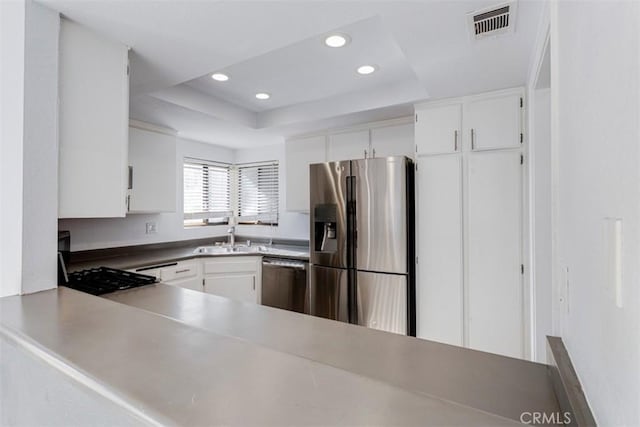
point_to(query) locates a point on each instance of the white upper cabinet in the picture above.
(94, 116)
(438, 129)
(348, 146)
(299, 154)
(152, 160)
(494, 122)
(396, 140)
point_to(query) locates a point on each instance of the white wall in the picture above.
(291, 225)
(40, 151)
(595, 99)
(12, 38)
(29, 185)
(540, 152)
(539, 168)
(37, 394)
(95, 233)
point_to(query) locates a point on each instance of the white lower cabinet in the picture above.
(238, 278)
(185, 274)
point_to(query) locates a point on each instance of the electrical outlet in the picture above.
(152, 228)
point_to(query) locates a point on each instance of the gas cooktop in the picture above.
(102, 280)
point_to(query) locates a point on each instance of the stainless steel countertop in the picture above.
(168, 255)
(179, 374)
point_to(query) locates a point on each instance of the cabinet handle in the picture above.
(183, 271)
(455, 140)
(473, 139)
(374, 153)
(365, 154)
(254, 283)
(130, 187)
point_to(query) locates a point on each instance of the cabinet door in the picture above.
(194, 283)
(395, 140)
(439, 284)
(182, 270)
(299, 154)
(494, 122)
(152, 158)
(94, 116)
(241, 287)
(494, 286)
(437, 129)
(348, 146)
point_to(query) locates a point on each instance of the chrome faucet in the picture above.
(232, 235)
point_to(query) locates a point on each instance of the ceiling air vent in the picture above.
(492, 21)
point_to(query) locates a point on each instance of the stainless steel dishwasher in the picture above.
(284, 284)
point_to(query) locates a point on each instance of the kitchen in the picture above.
(208, 158)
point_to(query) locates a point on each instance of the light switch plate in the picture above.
(152, 228)
(613, 259)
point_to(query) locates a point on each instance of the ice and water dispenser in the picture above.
(325, 228)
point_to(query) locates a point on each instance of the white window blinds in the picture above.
(258, 193)
(206, 191)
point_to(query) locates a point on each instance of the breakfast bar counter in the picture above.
(171, 356)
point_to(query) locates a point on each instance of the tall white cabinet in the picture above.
(94, 116)
(469, 191)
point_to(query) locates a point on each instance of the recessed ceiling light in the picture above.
(220, 77)
(263, 95)
(336, 40)
(366, 69)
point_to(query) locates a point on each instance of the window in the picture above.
(206, 192)
(258, 193)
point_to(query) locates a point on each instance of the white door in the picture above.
(437, 129)
(494, 122)
(397, 140)
(494, 284)
(348, 146)
(439, 285)
(299, 154)
(241, 287)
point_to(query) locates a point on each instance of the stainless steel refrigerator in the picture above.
(362, 244)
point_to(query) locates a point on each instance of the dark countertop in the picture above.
(309, 371)
(127, 258)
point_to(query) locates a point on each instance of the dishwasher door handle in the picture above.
(297, 266)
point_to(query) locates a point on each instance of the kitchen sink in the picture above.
(254, 249)
(226, 249)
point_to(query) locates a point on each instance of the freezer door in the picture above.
(381, 214)
(382, 301)
(328, 213)
(328, 291)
